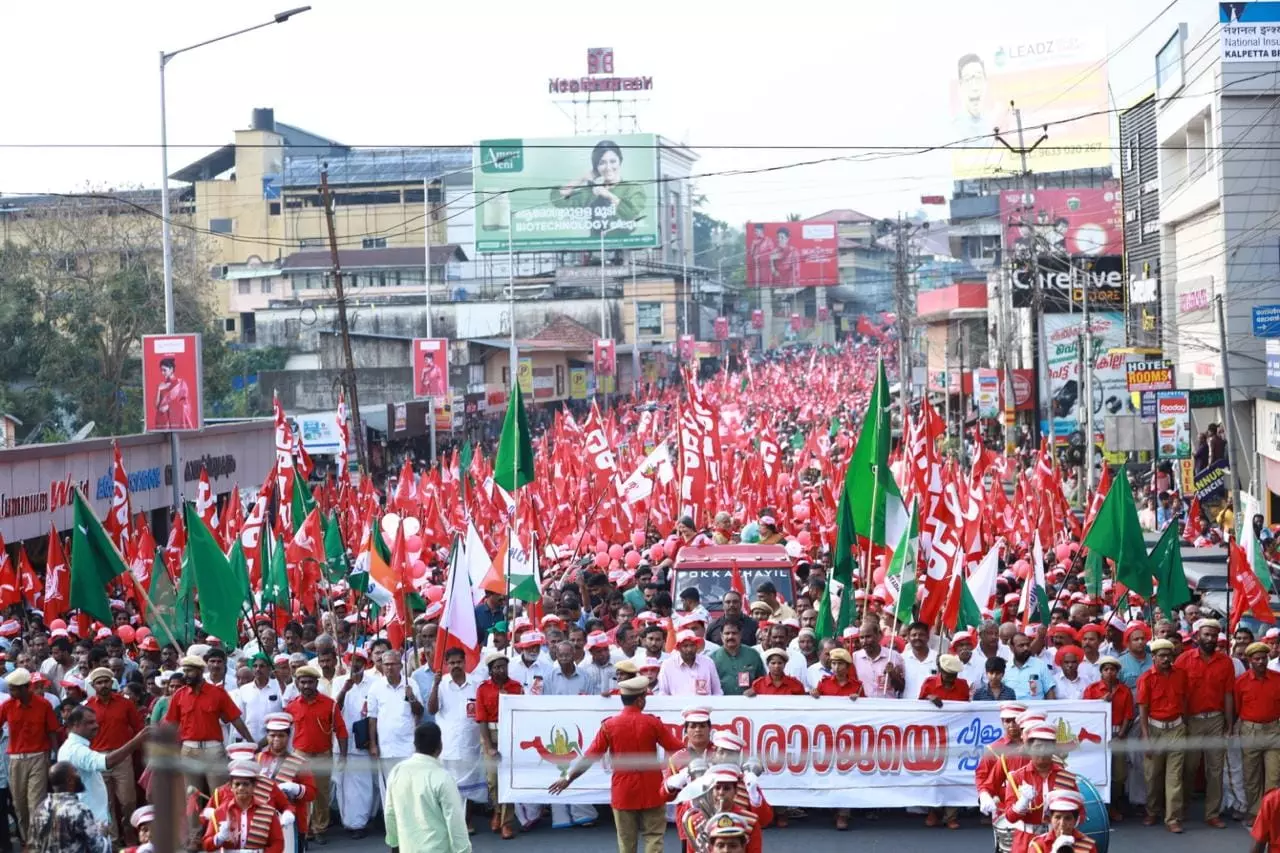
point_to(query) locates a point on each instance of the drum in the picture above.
(1004, 834)
(1097, 820)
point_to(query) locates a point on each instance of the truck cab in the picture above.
(710, 570)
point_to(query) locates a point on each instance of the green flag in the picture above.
(826, 625)
(275, 577)
(238, 565)
(846, 542)
(302, 502)
(95, 562)
(834, 429)
(335, 552)
(464, 467)
(900, 577)
(874, 498)
(1117, 533)
(1166, 564)
(1093, 573)
(210, 572)
(513, 466)
(163, 616)
(797, 440)
(978, 588)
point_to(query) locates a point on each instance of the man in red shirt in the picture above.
(1115, 691)
(1064, 808)
(33, 734)
(198, 710)
(946, 685)
(317, 721)
(1211, 675)
(487, 699)
(1266, 826)
(841, 681)
(118, 721)
(1162, 713)
(1257, 702)
(775, 682)
(999, 760)
(632, 738)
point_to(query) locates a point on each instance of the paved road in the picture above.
(898, 833)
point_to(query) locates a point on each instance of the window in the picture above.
(373, 243)
(221, 226)
(265, 287)
(1169, 65)
(311, 243)
(243, 287)
(559, 380)
(506, 377)
(649, 319)
(228, 324)
(273, 208)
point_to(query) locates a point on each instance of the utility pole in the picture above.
(1087, 364)
(1037, 292)
(1233, 449)
(428, 214)
(349, 368)
(903, 269)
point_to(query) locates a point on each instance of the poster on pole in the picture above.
(430, 368)
(605, 357)
(1109, 393)
(1173, 424)
(524, 374)
(577, 383)
(986, 392)
(686, 347)
(172, 383)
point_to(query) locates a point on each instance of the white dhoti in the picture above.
(1233, 793)
(528, 815)
(468, 773)
(563, 817)
(355, 789)
(1137, 781)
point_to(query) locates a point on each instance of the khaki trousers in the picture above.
(122, 797)
(633, 823)
(319, 763)
(506, 811)
(1213, 729)
(29, 784)
(1260, 751)
(1162, 767)
(1119, 775)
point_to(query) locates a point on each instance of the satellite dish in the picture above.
(85, 431)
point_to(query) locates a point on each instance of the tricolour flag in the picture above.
(458, 622)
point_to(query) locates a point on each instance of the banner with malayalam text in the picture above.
(830, 752)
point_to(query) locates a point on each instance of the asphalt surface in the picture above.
(895, 831)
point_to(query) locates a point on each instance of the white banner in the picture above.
(872, 753)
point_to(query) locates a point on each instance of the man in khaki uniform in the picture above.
(1211, 676)
(1162, 713)
(33, 729)
(1257, 701)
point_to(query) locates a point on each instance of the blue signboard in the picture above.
(1273, 363)
(1148, 413)
(1266, 321)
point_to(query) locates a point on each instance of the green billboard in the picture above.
(567, 193)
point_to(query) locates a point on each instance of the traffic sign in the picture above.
(1266, 321)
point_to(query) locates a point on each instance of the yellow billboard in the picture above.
(524, 374)
(577, 383)
(1059, 81)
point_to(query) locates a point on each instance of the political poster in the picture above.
(430, 368)
(172, 383)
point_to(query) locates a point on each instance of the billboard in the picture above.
(1110, 392)
(577, 383)
(722, 328)
(567, 193)
(792, 254)
(172, 383)
(430, 368)
(1065, 281)
(1173, 424)
(686, 347)
(1150, 375)
(605, 357)
(985, 78)
(1249, 32)
(1077, 223)
(986, 393)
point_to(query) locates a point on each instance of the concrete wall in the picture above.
(365, 351)
(317, 390)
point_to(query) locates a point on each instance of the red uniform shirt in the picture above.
(29, 725)
(315, 723)
(634, 732)
(1164, 695)
(828, 686)
(999, 760)
(118, 721)
(487, 698)
(957, 692)
(1266, 827)
(1044, 843)
(1210, 680)
(764, 686)
(1258, 699)
(199, 714)
(1121, 702)
(232, 814)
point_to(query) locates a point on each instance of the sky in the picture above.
(751, 85)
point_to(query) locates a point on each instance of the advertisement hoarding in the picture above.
(722, 328)
(605, 357)
(986, 393)
(524, 374)
(1249, 32)
(430, 368)
(1087, 222)
(686, 347)
(577, 383)
(1063, 333)
(757, 319)
(1149, 375)
(1173, 424)
(985, 78)
(172, 383)
(792, 254)
(566, 193)
(1063, 282)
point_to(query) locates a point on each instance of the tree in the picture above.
(793, 217)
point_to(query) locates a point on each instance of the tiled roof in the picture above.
(566, 331)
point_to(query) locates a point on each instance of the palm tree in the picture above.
(793, 217)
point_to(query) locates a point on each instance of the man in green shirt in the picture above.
(736, 664)
(635, 595)
(423, 810)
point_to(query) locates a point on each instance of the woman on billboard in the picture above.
(620, 205)
(173, 399)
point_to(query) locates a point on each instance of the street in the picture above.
(898, 832)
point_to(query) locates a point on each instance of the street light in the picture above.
(166, 230)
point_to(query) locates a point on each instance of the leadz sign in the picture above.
(1064, 286)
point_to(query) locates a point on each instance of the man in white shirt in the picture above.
(355, 782)
(919, 661)
(1069, 682)
(600, 667)
(394, 706)
(803, 657)
(258, 698)
(453, 702)
(528, 669)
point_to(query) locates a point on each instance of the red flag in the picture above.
(1248, 596)
(117, 520)
(233, 517)
(284, 468)
(305, 551)
(174, 547)
(302, 458)
(142, 554)
(1195, 520)
(207, 504)
(57, 579)
(28, 585)
(9, 595)
(735, 580)
(1104, 486)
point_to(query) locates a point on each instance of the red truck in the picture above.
(710, 570)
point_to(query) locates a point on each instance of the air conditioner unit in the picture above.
(218, 271)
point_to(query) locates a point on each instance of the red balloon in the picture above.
(669, 548)
(418, 570)
(804, 539)
(877, 576)
(602, 560)
(142, 633)
(1022, 569)
(413, 544)
(800, 512)
(435, 593)
(638, 538)
(126, 634)
(632, 560)
(655, 553)
(615, 552)
(784, 481)
(58, 624)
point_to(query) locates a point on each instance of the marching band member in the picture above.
(288, 771)
(1064, 808)
(1026, 787)
(242, 822)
